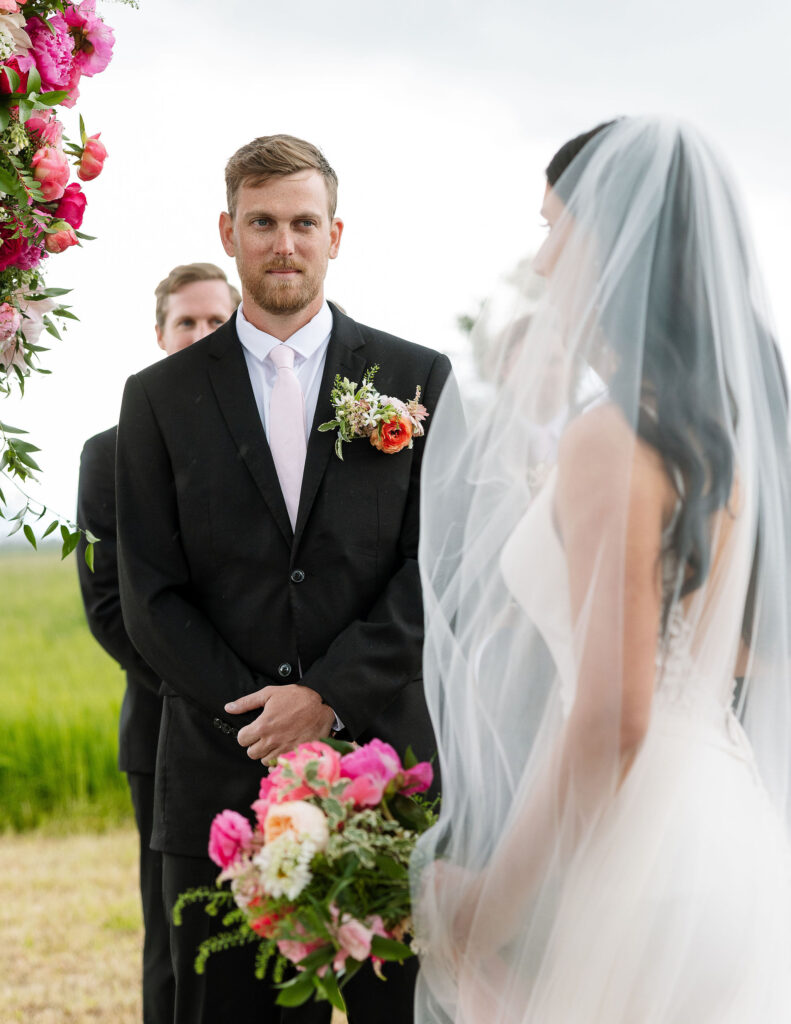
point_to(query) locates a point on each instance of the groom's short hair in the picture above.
(188, 273)
(275, 156)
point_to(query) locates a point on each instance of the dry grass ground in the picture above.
(70, 931)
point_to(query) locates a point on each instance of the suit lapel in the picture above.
(231, 383)
(345, 356)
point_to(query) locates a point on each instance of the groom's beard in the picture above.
(278, 296)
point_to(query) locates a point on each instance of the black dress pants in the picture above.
(158, 982)
(228, 991)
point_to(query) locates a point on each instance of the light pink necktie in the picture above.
(287, 428)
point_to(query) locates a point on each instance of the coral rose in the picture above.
(51, 171)
(394, 436)
(71, 207)
(229, 832)
(60, 240)
(92, 161)
(297, 818)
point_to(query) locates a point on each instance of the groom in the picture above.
(273, 587)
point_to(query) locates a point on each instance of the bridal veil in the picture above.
(557, 862)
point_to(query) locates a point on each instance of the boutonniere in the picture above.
(360, 411)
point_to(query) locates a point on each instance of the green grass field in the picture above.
(60, 696)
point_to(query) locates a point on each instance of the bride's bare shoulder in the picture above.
(601, 457)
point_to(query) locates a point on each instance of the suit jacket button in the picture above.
(216, 723)
(297, 576)
(284, 670)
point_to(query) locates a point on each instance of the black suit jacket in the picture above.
(222, 598)
(141, 709)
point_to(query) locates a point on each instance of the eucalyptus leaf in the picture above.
(28, 532)
(50, 529)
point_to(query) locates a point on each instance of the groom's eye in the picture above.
(306, 223)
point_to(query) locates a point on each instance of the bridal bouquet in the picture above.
(321, 880)
(360, 411)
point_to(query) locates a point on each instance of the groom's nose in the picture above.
(284, 242)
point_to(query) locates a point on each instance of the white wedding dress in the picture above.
(690, 836)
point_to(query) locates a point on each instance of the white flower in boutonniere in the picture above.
(360, 411)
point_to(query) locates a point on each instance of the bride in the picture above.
(607, 654)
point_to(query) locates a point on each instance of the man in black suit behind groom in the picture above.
(191, 302)
(274, 614)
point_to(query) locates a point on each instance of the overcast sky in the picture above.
(438, 116)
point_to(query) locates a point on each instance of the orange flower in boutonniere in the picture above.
(390, 424)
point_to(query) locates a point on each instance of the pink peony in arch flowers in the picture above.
(52, 50)
(93, 39)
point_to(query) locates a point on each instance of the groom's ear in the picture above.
(226, 234)
(336, 230)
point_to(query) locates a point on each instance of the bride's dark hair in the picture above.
(687, 421)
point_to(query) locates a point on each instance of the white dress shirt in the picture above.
(310, 352)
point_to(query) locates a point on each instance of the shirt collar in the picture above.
(305, 342)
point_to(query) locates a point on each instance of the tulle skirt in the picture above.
(678, 911)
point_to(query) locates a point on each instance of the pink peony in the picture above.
(18, 252)
(376, 759)
(72, 87)
(71, 207)
(93, 156)
(46, 128)
(22, 64)
(380, 765)
(328, 769)
(364, 791)
(10, 320)
(53, 50)
(93, 40)
(60, 240)
(11, 6)
(417, 779)
(51, 170)
(229, 832)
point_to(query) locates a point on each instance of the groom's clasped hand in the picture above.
(291, 715)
